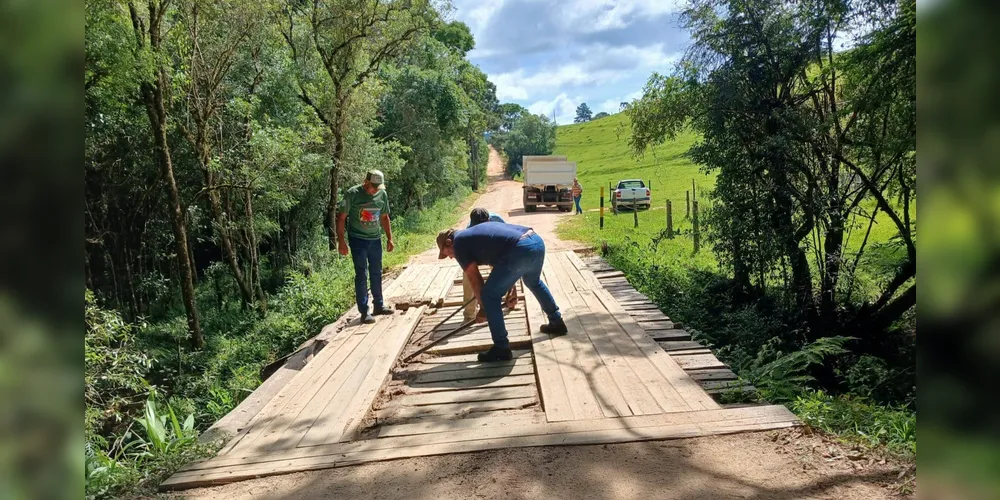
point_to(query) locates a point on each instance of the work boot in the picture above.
(495, 354)
(383, 310)
(557, 327)
(367, 319)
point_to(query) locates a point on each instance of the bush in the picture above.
(858, 420)
(114, 371)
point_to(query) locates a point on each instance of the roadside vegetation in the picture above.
(805, 281)
(219, 138)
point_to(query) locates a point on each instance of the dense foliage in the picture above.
(523, 133)
(219, 136)
(814, 151)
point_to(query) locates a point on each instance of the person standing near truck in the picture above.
(364, 214)
(577, 194)
(515, 252)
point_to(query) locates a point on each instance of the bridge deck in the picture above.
(606, 381)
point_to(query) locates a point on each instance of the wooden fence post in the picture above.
(697, 232)
(602, 207)
(694, 194)
(670, 220)
(687, 204)
(635, 212)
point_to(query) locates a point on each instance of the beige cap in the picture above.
(375, 177)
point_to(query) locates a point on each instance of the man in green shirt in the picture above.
(364, 212)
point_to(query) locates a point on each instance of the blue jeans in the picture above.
(367, 256)
(523, 261)
(577, 200)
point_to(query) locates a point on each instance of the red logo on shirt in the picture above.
(369, 214)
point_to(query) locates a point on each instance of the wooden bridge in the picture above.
(623, 373)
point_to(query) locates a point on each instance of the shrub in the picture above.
(858, 420)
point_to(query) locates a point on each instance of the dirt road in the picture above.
(503, 196)
(778, 464)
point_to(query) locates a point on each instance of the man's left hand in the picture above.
(389, 246)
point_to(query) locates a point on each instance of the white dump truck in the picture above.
(548, 181)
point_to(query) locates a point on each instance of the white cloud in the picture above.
(599, 65)
(562, 105)
(614, 105)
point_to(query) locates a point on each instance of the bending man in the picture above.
(478, 216)
(515, 252)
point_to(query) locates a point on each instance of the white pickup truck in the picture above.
(548, 181)
(631, 193)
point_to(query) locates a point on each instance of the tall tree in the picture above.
(337, 46)
(809, 144)
(148, 32)
(216, 31)
(583, 113)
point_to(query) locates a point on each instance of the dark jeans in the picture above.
(577, 200)
(524, 261)
(367, 256)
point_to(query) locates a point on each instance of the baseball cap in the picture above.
(442, 239)
(375, 177)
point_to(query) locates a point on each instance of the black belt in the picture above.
(527, 234)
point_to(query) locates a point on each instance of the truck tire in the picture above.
(530, 208)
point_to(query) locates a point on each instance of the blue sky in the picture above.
(552, 55)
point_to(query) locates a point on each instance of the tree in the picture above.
(582, 113)
(215, 31)
(600, 115)
(530, 135)
(809, 145)
(154, 87)
(337, 46)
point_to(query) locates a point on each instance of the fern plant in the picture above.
(783, 378)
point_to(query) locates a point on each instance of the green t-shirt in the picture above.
(364, 212)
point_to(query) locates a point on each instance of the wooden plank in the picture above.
(581, 398)
(470, 383)
(686, 352)
(636, 395)
(421, 368)
(679, 345)
(712, 374)
(454, 410)
(604, 275)
(265, 432)
(659, 387)
(599, 431)
(656, 325)
(325, 414)
(639, 306)
(486, 420)
(465, 395)
(648, 315)
(698, 361)
(469, 358)
(688, 389)
(669, 335)
(473, 373)
(378, 376)
(551, 387)
(445, 349)
(599, 379)
(445, 285)
(727, 416)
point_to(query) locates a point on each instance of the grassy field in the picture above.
(602, 155)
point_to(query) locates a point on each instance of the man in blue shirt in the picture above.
(478, 216)
(515, 252)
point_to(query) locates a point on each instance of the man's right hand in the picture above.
(342, 247)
